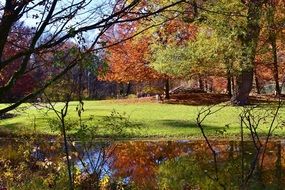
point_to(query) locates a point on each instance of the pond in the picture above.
(179, 164)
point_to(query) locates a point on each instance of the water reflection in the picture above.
(190, 165)
(148, 165)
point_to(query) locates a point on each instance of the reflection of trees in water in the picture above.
(151, 165)
(139, 161)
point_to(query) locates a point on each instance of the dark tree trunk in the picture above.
(257, 84)
(91, 83)
(243, 87)
(229, 75)
(249, 44)
(229, 83)
(128, 91)
(272, 39)
(275, 67)
(118, 89)
(167, 96)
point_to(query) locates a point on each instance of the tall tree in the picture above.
(128, 61)
(272, 40)
(236, 25)
(249, 41)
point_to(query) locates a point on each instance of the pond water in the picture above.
(181, 164)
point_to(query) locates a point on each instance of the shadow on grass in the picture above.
(12, 128)
(177, 123)
(184, 124)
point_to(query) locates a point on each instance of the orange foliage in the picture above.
(128, 62)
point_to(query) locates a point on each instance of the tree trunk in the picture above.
(275, 67)
(118, 89)
(257, 85)
(167, 96)
(229, 83)
(272, 39)
(128, 91)
(249, 43)
(243, 87)
(229, 67)
(66, 149)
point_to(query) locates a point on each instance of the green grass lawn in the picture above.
(155, 119)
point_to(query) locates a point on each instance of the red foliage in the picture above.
(18, 41)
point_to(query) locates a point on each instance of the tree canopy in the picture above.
(54, 23)
(241, 41)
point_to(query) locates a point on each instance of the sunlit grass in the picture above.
(155, 119)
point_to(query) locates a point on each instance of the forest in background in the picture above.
(230, 47)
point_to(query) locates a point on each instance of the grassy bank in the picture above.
(154, 119)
